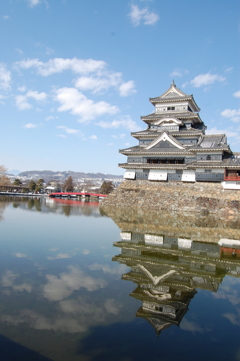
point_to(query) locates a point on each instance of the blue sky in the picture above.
(76, 75)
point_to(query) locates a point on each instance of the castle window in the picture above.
(170, 108)
(208, 157)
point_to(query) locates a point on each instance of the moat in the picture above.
(80, 283)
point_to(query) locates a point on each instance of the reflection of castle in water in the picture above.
(167, 271)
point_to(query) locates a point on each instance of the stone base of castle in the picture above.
(185, 198)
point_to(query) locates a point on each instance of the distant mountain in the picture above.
(50, 175)
(14, 172)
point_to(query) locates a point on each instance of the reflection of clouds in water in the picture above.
(84, 307)
(111, 306)
(38, 322)
(190, 326)
(229, 291)
(115, 270)
(53, 249)
(79, 316)
(230, 295)
(60, 256)
(63, 286)
(8, 280)
(86, 251)
(20, 255)
(233, 318)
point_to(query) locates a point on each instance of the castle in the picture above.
(174, 147)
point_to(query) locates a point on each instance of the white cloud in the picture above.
(50, 117)
(179, 72)
(22, 100)
(105, 81)
(33, 3)
(232, 114)
(206, 79)
(30, 126)
(127, 88)
(61, 136)
(49, 51)
(185, 84)
(97, 84)
(5, 77)
(6, 17)
(58, 65)
(68, 130)
(138, 15)
(94, 137)
(237, 94)
(19, 51)
(22, 88)
(119, 136)
(22, 103)
(228, 133)
(228, 69)
(78, 104)
(63, 286)
(176, 73)
(36, 95)
(126, 123)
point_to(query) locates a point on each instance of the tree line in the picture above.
(37, 186)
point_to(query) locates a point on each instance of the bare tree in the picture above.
(68, 185)
(106, 187)
(4, 180)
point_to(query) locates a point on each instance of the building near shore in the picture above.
(174, 147)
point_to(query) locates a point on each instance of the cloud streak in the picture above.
(22, 100)
(138, 16)
(206, 79)
(78, 104)
(125, 122)
(58, 65)
(5, 77)
(232, 114)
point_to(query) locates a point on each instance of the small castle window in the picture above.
(170, 108)
(208, 157)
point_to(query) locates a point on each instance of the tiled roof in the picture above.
(174, 94)
(152, 166)
(211, 142)
(155, 132)
(183, 115)
(205, 164)
(159, 151)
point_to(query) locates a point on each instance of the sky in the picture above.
(77, 75)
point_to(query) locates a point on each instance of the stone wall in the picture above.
(177, 197)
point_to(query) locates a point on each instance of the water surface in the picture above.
(76, 284)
